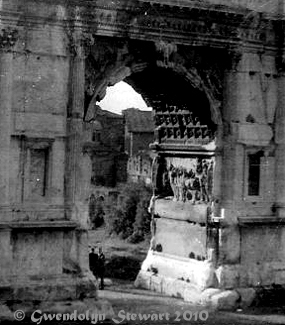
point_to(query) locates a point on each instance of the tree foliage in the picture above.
(130, 218)
(96, 212)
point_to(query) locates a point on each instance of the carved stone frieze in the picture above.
(190, 180)
(8, 38)
(154, 19)
(179, 125)
(80, 44)
(165, 50)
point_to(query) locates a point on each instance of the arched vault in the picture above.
(141, 64)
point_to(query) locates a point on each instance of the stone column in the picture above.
(231, 165)
(280, 150)
(7, 40)
(230, 116)
(79, 167)
(75, 129)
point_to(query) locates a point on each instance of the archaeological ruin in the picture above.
(213, 72)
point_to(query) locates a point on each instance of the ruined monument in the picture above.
(213, 71)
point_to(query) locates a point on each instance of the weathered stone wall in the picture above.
(38, 238)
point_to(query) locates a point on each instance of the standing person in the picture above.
(93, 263)
(101, 268)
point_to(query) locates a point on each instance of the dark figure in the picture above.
(93, 263)
(101, 268)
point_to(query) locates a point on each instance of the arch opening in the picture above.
(163, 89)
(122, 96)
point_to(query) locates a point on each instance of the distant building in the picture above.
(139, 133)
(139, 167)
(106, 138)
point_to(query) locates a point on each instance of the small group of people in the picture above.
(97, 265)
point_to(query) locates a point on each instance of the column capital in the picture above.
(80, 44)
(234, 56)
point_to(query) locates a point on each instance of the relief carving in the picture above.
(180, 125)
(8, 38)
(165, 51)
(192, 184)
(105, 65)
(79, 45)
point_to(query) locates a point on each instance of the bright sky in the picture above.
(122, 96)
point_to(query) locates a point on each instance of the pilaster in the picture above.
(230, 171)
(7, 41)
(78, 173)
(74, 123)
(280, 150)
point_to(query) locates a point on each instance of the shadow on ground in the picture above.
(123, 267)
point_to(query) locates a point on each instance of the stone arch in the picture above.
(193, 77)
(190, 75)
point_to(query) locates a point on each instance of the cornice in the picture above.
(142, 22)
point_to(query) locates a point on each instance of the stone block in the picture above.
(226, 300)
(198, 273)
(259, 134)
(191, 240)
(58, 288)
(168, 287)
(178, 287)
(254, 275)
(6, 293)
(206, 278)
(45, 292)
(247, 296)
(193, 296)
(156, 283)
(143, 280)
(266, 274)
(40, 123)
(279, 277)
(228, 276)
(173, 287)
(167, 208)
(86, 287)
(6, 314)
(93, 306)
(108, 282)
(207, 294)
(230, 250)
(28, 307)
